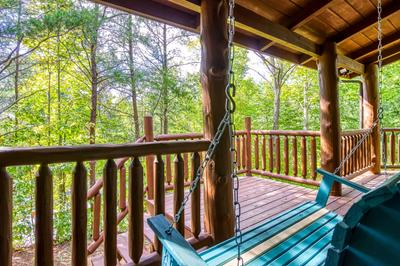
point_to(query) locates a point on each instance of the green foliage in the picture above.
(56, 79)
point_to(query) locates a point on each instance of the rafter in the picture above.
(391, 59)
(386, 54)
(350, 64)
(365, 51)
(156, 11)
(309, 12)
(387, 11)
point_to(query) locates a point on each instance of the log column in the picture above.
(219, 215)
(329, 111)
(370, 104)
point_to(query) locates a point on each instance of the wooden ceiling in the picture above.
(294, 29)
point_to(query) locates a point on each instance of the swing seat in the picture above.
(308, 234)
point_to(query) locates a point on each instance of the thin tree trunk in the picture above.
(17, 62)
(277, 103)
(136, 126)
(305, 106)
(93, 110)
(165, 81)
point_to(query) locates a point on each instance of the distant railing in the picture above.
(391, 147)
(360, 161)
(86, 153)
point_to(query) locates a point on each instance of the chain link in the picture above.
(379, 118)
(226, 123)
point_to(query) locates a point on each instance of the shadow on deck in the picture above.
(261, 199)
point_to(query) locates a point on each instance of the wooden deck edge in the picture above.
(360, 172)
(287, 178)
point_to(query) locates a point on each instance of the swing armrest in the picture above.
(326, 184)
(174, 244)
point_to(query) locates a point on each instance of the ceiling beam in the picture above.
(308, 13)
(387, 11)
(350, 64)
(156, 11)
(386, 54)
(372, 48)
(391, 59)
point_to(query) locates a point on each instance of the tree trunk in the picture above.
(136, 126)
(17, 62)
(93, 110)
(165, 82)
(277, 103)
(305, 105)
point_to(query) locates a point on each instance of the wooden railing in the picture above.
(391, 147)
(80, 155)
(360, 161)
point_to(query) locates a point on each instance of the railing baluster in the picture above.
(159, 194)
(195, 198)
(398, 148)
(122, 188)
(294, 155)
(44, 217)
(278, 154)
(384, 152)
(256, 155)
(304, 157)
(243, 152)
(110, 213)
(179, 183)
(96, 216)
(271, 153)
(264, 153)
(351, 160)
(5, 218)
(186, 166)
(286, 154)
(135, 203)
(168, 170)
(313, 147)
(79, 215)
(348, 149)
(238, 152)
(392, 149)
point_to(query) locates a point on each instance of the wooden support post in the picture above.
(159, 195)
(329, 111)
(5, 218)
(219, 215)
(179, 191)
(122, 188)
(195, 198)
(149, 137)
(247, 125)
(371, 102)
(110, 213)
(44, 217)
(135, 214)
(79, 215)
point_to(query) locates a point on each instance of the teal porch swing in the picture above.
(308, 234)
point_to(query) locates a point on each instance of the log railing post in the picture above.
(271, 152)
(313, 147)
(195, 198)
(96, 216)
(256, 153)
(149, 137)
(5, 218)
(179, 192)
(371, 102)
(303, 147)
(159, 194)
(219, 214)
(79, 215)
(238, 152)
(110, 213)
(278, 154)
(264, 153)
(135, 203)
(329, 111)
(247, 124)
(122, 188)
(294, 155)
(44, 217)
(392, 148)
(286, 154)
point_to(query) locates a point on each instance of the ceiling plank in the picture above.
(350, 64)
(309, 12)
(251, 22)
(363, 52)
(156, 11)
(387, 11)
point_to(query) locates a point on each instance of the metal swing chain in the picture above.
(379, 118)
(226, 122)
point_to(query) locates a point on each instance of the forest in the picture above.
(73, 72)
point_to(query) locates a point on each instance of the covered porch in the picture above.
(339, 42)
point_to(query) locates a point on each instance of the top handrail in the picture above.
(287, 132)
(37, 155)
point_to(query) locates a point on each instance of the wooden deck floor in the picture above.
(263, 198)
